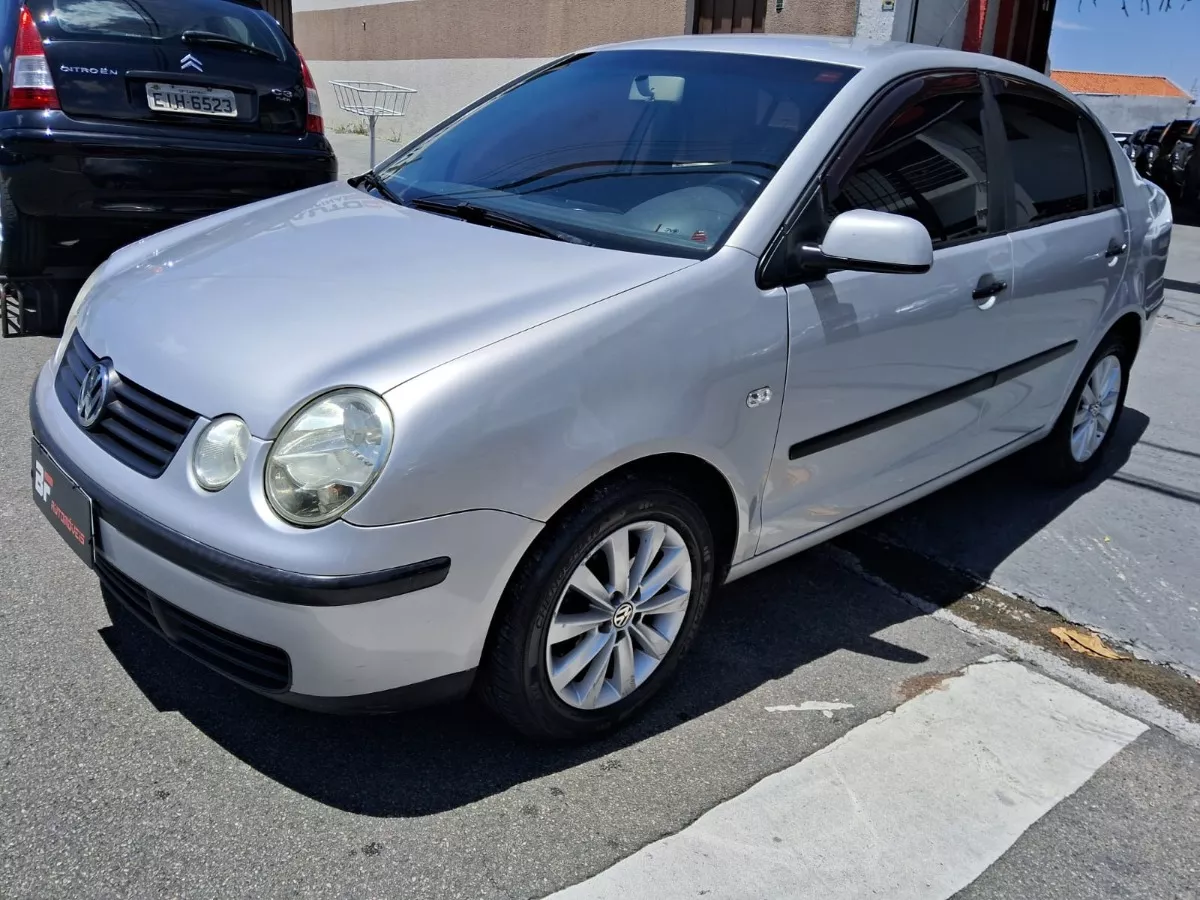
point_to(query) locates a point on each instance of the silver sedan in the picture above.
(502, 413)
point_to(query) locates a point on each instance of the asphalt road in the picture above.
(127, 770)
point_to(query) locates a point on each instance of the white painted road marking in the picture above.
(823, 706)
(913, 805)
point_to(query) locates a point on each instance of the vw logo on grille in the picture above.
(93, 394)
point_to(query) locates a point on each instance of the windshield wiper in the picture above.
(481, 215)
(370, 179)
(212, 39)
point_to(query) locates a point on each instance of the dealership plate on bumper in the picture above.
(64, 503)
(182, 98)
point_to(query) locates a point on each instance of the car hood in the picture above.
(258, 309)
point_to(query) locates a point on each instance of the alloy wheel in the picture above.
(1096, 408)
(619, 615)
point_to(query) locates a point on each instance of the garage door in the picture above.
(729, 16)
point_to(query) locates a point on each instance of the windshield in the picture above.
(163, 20)
(646, 150)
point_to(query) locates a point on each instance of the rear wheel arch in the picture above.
(1129, 329)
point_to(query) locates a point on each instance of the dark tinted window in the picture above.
(1047, 160)
(928, 164)
(160, 20)
(1100, 169)
(659, 151)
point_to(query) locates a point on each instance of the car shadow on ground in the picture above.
(759, 629)
(979, 522)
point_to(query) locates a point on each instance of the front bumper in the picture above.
(405, 630)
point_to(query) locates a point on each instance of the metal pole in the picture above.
(372, 121)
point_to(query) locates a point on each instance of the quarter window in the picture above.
(929, 164)
(1047, 160)
(1100, 172)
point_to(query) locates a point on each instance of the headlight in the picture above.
(327, 457)
(73, 315)
(220, 452)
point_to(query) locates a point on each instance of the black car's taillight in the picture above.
(313, 123)
(31, 84)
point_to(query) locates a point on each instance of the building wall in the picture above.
(832, 17)
(454, 51)
(939, 23)
(1132, 113)
(470, 29)
(874, 21)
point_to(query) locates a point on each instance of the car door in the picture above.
(1070, 239)
(883, 369)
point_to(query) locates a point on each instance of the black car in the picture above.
(1185, 167)
(1149, 152)
(124, 117)
(1133, 146)
(1160, 166)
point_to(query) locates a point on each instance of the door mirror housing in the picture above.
(863, 240)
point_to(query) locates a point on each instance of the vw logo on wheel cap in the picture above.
(93, 394)
(623, 615)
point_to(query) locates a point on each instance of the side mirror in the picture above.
(863, 240)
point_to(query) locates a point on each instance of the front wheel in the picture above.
(599, 613)
(1075, 447)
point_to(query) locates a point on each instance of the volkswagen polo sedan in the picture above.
(637, 324)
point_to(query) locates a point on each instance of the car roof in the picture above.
(895, 57)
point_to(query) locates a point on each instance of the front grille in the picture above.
(249, 662)
(138, 427)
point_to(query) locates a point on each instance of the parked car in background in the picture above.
(1122, 137)
(1185, 167)
(1149, 152)
(1161, 166)
(643, 321)
(124, 117)
(1134, 146)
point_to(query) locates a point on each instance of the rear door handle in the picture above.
(1114, 250)
(989, 286)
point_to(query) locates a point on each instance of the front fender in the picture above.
(524, 424)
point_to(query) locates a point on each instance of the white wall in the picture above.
(443, 87)
(873, 21)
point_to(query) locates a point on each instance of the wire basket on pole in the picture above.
(372, 100)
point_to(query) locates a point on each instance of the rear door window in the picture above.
(163, 20)
(1046, 157)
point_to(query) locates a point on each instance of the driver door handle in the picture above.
(989, 286)
(1115, 249)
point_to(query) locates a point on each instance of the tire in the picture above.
(1060, 462)
(23, 244)
(515, 678)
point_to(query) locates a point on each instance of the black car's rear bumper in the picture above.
(151, 175)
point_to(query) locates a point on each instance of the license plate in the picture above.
(182, 98)
(64, 503)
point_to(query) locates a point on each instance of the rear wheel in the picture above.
(22, 239)
(1084, 430)
(598, 615)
